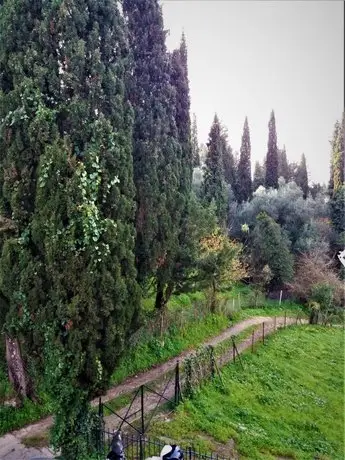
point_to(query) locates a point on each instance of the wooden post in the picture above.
(233, 352)
(285, 319)
(252, 341)
(263, 332)
(275, 323)
(280, 297)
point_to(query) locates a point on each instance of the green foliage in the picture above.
(281, 404)
(213, 189)
(269, 247)
(259, 176)
(283, 166)
(147, 354)
(337, 204)
(301, 177)
(195, 143)
(67, 273)
(337, 157)
(244, 187)
(271, 178)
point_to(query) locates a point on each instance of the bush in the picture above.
(316, 282)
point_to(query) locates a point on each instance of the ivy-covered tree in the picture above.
(283, 165)
(195, 143)
(259, 176)
(213, 188)
(271, 178)
(269, 247)
(301, 177)
(67, 189)
(244, 179)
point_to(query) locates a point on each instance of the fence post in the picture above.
(100, 434)
(263, 332)
(141, 448)
(177, 383)
(212, 362)
(142, 410)
(280, 297)
(252, 341)
(285, 319)
(297, 319)
(233, 352)
(275, 322)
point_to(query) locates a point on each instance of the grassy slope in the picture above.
(150, 351)
(288, 401)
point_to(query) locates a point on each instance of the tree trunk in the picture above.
(16, 369)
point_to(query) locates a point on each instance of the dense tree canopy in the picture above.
(68, 268)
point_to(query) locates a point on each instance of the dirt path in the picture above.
(11, 447)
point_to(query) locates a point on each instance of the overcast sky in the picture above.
(249, 57)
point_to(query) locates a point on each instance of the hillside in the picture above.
(287, 402)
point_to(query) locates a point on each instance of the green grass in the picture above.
(288, 401)
(12, 418)
(145, 355)
(150, 351)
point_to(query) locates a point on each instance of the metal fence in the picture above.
(141, 447)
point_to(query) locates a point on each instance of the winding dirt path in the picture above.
(11, 447)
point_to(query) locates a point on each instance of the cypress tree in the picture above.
(228, 160)
(214, 183)
(302, 176)
(283, 166)
(259, 176)
(244, 179)
(229, 166)
(271, 178)
(195, 143)
(73, 208)
(180, 160)
(270, 248)
(337, 157)
(147, 89)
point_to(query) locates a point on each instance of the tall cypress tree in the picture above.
(302, 176)
(180, 160)
(228, 160)
(67, 130)
(271, 178)
(147, 88)
(283, 166)
(259, 176)
(195, 143)
(160, 146)
(244, 178)
(214, 184)
(337, 157)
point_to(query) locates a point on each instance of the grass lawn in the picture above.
(288, 401)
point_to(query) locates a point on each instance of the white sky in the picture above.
(249, 57)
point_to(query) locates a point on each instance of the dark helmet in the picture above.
(172, 453)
